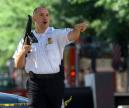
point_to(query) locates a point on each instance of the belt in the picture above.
(53, 75)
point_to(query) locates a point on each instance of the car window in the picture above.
(6, 83)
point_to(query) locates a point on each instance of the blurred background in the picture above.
(104, 47)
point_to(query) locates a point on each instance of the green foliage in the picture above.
(120, 7)
(116, 18)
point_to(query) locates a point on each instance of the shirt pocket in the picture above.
(51, 47)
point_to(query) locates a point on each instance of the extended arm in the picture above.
(75, 33)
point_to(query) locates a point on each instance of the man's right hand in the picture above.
(26, 49)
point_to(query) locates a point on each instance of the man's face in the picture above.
(41, 17)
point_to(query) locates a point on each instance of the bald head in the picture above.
(38, 9)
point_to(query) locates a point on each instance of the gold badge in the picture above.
(50, 41)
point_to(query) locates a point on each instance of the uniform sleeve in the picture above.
(62, 36)
(20, 45)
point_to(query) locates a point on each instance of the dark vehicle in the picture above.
(7, 85)
(12, 101)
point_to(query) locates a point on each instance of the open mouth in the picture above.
(45, 22)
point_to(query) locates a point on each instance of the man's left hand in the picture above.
(81, 27)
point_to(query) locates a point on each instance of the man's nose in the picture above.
(45, 18)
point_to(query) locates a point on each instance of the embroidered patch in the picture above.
(50, 41)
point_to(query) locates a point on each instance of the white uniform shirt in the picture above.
(46, 55)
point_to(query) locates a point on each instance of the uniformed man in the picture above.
(43, 63)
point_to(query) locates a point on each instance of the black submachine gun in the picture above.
(29, 37)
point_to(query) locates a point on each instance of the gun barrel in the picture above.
(28, 30)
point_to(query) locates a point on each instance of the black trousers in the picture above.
(45, 91)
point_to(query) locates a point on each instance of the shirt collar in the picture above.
(48, 30)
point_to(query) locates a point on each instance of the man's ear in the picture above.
(33, 18)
